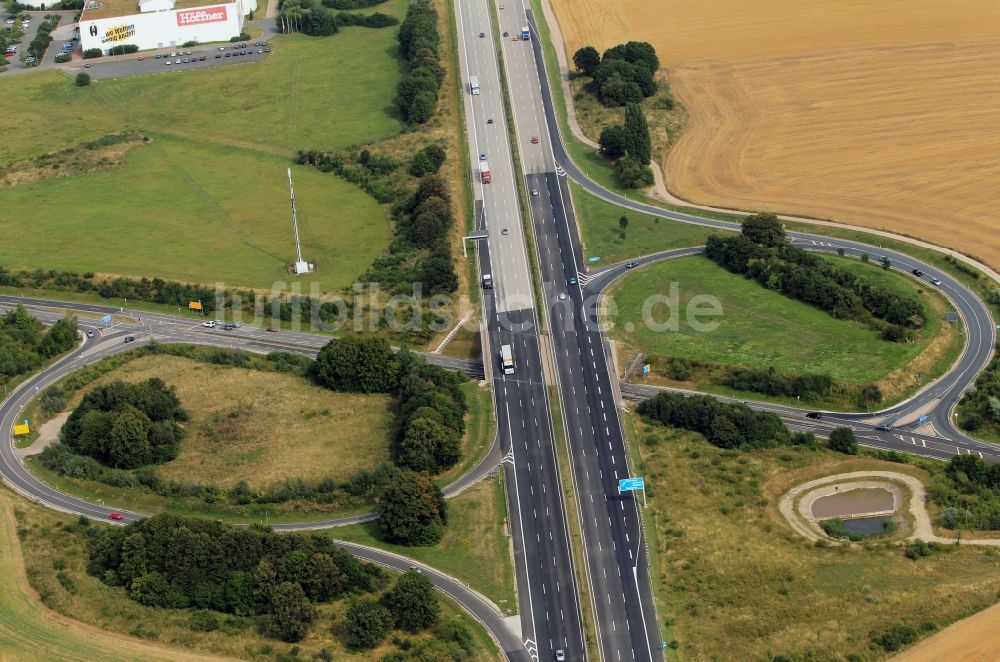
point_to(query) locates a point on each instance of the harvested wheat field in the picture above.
(879, 114)
(974, 639)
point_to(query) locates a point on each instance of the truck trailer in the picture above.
(484, 172)
(507, 359)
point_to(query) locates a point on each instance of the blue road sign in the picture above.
(594, 259)
(631, 484)
(106, 319)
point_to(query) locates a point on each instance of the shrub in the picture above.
(92, 53)
(82, 80)
(63, 58)
(896, 636)
(632, 174)
(842, 440)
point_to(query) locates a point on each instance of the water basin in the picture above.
(853, 502)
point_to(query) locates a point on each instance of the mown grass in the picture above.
(194, 212)
(320, 93)
(55, 559)
(601, 232)
(733, 581)
(475, 548)
(761, 328)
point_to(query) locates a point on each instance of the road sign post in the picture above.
(633, 484)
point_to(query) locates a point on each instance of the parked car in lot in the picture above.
(208, 324)
(201, 59)
(167, 62)
(218, 55)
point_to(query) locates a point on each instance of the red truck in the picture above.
(484, 171)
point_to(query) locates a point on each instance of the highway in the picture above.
(549, 604)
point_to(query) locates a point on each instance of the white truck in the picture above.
(474, 84)
(507, 359)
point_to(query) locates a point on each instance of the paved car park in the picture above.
(137, 64)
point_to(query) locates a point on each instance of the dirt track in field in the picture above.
(875, 114)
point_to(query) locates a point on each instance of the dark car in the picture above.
(885, 427)
(505, 34)
(917, 272)
(228, 54)
(218, 55)
(129, 338)
(489, 121)
(267, 50)
(271, 329)
(201, 59)
(572, 280)
(815, 415)
(482, 34)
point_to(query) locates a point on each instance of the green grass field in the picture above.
(207, 200)
(600, 230)
(194, 212)
(731, 578)
(760, 328)
(475, 547)
(310, 93)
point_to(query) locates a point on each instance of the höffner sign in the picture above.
(202, 15)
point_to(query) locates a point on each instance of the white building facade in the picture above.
(159, 25)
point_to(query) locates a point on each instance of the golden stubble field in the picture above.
(879, 114)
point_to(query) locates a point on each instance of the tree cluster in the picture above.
(426, 220)
(762, 252)
(980, 405)
(127, 425)
(968, 491)
(631, 145)
(410, 605)
(419, 46)
(177, 562)
(427, 161)
(373, 173)
(124, 49)
(24, 345)
(623, 75)
(431, 407)
(808, 386)
(352, 4)
(316, 18)
(411, 511)
(842, 440)
(722, 424)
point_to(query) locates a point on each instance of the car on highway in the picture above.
(482, 156)
(505, 32)
(482, 34)
(141, 58)
(630, 265)
(271, 329)
(815, 415)
(228, 327)
(534, 191)
(917, 272)
(534, 140)
(209, 324)
(129, 339)
(560, 655)
(562, 296)
(572, 280)
(505, 231)
(90, 334)
(489, 121)
(936, 281)
(884, 427)
(116, 516)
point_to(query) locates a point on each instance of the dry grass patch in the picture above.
(71, 161)
(264, 427)
(734, 580)
(876, 114)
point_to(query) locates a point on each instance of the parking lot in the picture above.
(174, 60)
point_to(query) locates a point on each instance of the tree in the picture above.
(764, 229)
(842, 440)
(612, 141)
(291, 612)
(357, 364)
(324, 580)
(411, 511)
(128, 440)
(637, 141)
(632, 174)
(438, 275)
(61, 337)
(587, 60)
(413, 602)
(368, 623)
(134, 558)
(623, 221)
(618, 91)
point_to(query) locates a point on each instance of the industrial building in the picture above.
(153, 24)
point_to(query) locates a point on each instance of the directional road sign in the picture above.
(631, 484)
(106, 319)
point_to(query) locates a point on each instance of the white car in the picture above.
(209, 324)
